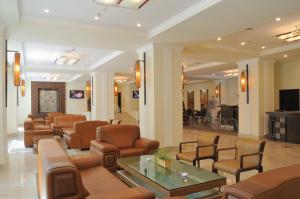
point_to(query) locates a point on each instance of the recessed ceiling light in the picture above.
(263, 47)
(213, 74)
(219, 38)
(139, 25)
(243, 43)
(285, 56)
(46, 11)
(96, 17)
(278, 19)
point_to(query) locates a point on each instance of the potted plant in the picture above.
(162, 158)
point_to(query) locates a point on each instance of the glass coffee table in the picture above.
(180, 179)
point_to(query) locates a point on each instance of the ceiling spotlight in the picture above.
(138, 25)
(213, 74)
(219, 38)
(285, 56)
(278, 19)
(46, 11)
(96, 18)
(263, 47)
(243, 43)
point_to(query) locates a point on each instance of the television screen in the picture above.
(135, 94)
(289, 100)
(76, 94)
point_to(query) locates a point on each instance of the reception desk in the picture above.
(284, 126)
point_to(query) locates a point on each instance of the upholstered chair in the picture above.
(248, 156)
(206, 146)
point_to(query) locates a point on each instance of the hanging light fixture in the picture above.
(88, 89)
(23, 88)
(17, 69)
(243, 81)
(116, 89)
(138, 74)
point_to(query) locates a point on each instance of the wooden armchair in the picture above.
(206, 146)
(248, 156)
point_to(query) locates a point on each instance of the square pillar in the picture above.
(102, 96)
(3, 131)
(161, 116)
(252, 115)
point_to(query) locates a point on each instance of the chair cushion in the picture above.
(190, 156)
(100, 180)
(68, 131)
(129, 152)
(231, 166)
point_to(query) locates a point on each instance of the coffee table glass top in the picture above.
(179, 175)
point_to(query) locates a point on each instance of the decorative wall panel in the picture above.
(47, 97)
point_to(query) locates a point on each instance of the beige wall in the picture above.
(229, 91)
(75, 106)
(287, 76)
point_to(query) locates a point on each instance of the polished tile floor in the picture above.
(17, 178)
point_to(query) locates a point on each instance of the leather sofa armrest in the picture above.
(107, 152)
(130, 193)
(38, 132)
(87, 161)
(147, 144)
(28, 125)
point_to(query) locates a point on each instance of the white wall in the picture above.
(12, 109)
(24, 107)
(229, 93)
(76, 106)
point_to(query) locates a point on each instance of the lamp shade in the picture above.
(138, 74)
(17, 69)
(88, 89)
(23, 88)
(217, 91)
(243, 81)
(116, 89)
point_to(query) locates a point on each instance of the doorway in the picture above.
(119, 102)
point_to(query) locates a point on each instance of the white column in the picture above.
(252, 116)
(103, 96)
(161, 116)
(3, 137)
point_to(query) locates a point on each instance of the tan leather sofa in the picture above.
(50, 117)
(82, 133)
(81, 177)
(282, 183)
(65, 121)
(115, 141)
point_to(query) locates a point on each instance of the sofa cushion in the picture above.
(100, 180)
(122, 136)
(129, 152)
(68, 131)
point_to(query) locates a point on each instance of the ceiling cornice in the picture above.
(182, 16)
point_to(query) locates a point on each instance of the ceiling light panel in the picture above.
(131, 4)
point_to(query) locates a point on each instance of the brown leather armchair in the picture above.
(118, 141)
(206, 147)
(281, 183)
(50, 117)
(64, 122)
(81, 177)
(248, 156)
(82, 133)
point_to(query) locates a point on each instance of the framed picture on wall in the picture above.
(76, 94)
(48, 100)
(135, 94)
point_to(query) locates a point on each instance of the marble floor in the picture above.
(17, 178)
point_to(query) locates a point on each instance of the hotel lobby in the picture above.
(146, 99)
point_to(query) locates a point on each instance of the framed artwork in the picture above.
(204, 97)
(135, 94)
(48, 101)
(76, 94)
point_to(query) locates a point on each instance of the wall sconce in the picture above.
(138, 74)
(116, 89)
(88, 89)
(17, 69)
(23, 88)
(217, 91)
(243, 81)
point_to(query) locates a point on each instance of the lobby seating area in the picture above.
(149, 99)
